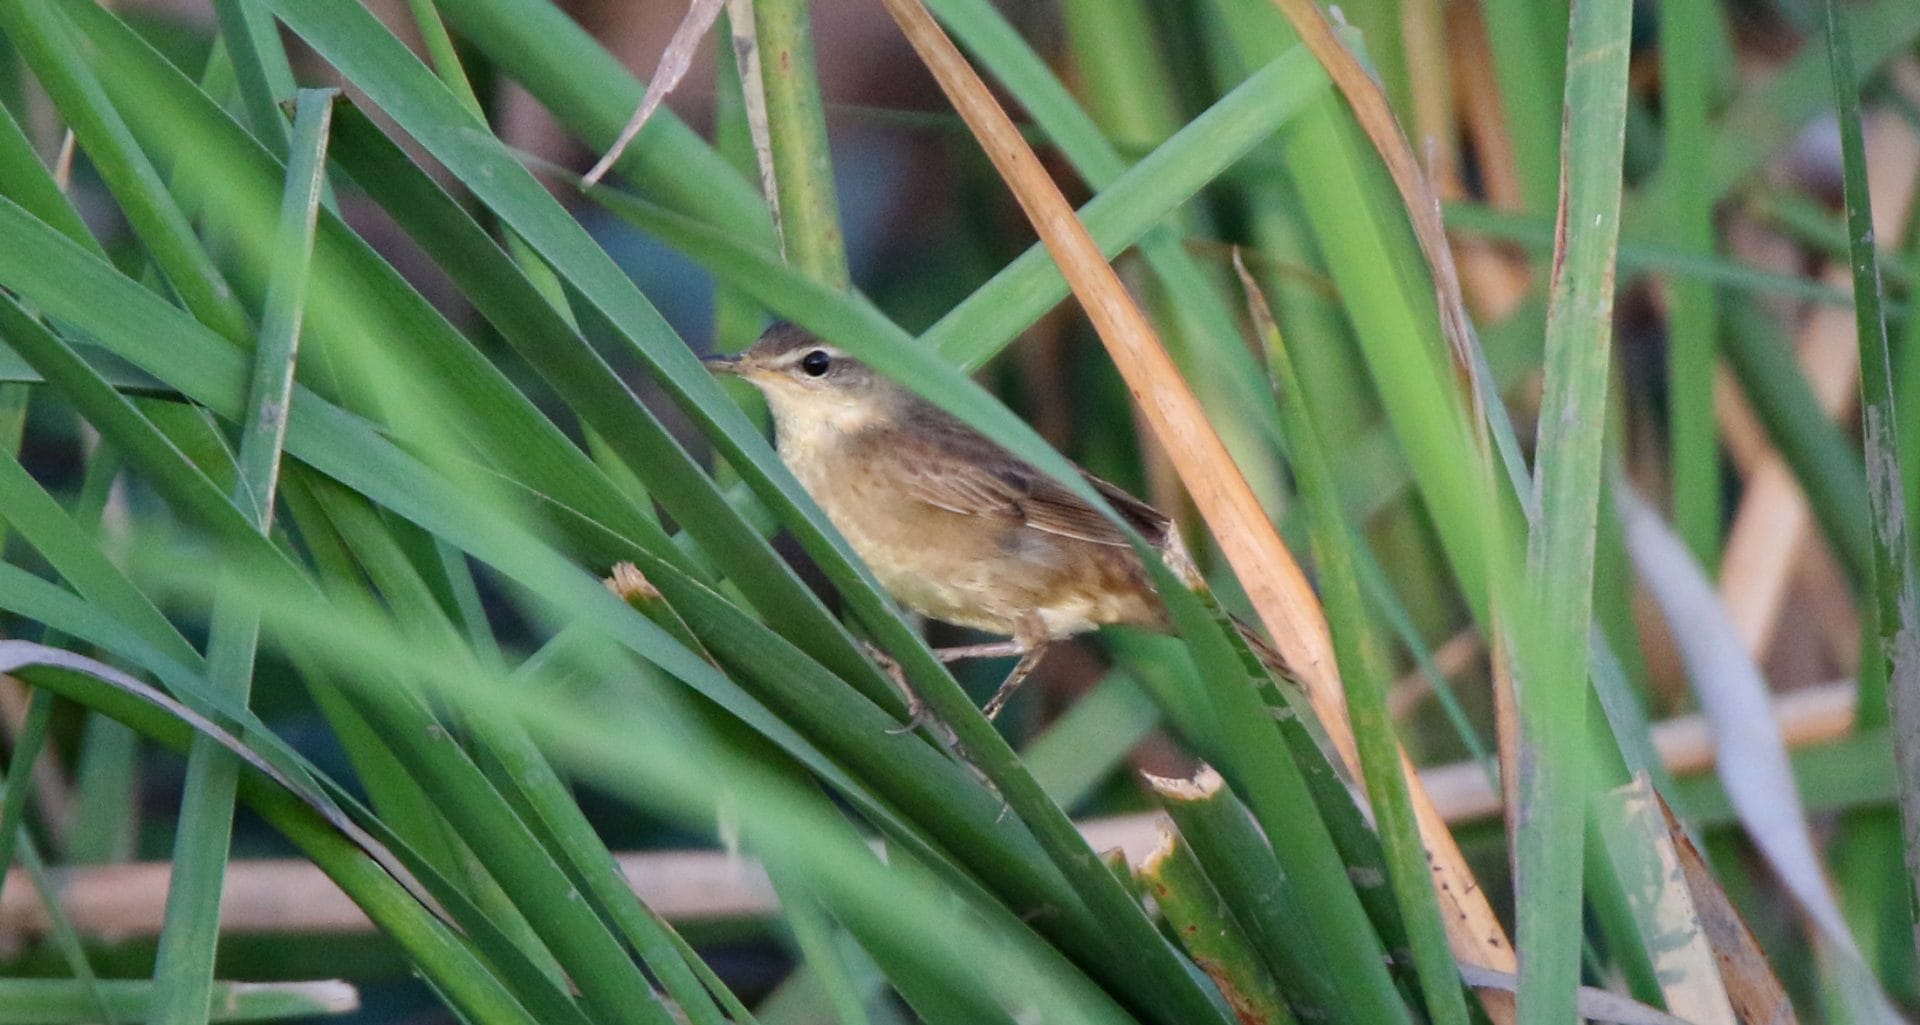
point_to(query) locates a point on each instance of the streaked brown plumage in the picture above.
(953, 525)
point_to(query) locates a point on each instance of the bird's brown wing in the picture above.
(991, 482)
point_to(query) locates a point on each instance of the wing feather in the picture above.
(969, 474)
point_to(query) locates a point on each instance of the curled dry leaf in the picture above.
(1755, 991)
(1645, 859)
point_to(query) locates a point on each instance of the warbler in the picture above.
(952, 524)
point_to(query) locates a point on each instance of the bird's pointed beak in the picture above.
(722, 364)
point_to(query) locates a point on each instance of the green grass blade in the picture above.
(1895, 609)
(1365, 672)
(1201, 326)
(404, 486)
(1266, 902)
(1822, 457)
(819, 947)
(27, 183)
(189, 937)
(692, 776)
(65, 936)
(1644, 254)
(1764, 120)
(441, 955)
(335, 443)
(75, 554)
(600, 398)
(260, 68)
(1131, 201)
(552, 811)
(441, 51)
(356, 294)
(1554, 630)
(809, 212)
(369, 55)
(28, 744)
(1085, 744)
(44, 37)
(1692, 325)
(1529, 42)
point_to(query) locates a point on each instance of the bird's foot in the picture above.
(918, 714)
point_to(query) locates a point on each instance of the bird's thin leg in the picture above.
(1030, 641)
(996, 649)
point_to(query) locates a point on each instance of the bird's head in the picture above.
(809, 383)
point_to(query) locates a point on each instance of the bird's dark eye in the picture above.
(815, 363)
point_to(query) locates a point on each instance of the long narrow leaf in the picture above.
(1896, 609)
(184, 962)
(1553, 630)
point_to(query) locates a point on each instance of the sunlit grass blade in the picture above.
(1201, 323)
(1374, 258)
(981, 325)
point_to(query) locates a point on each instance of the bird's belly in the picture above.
(953, 568)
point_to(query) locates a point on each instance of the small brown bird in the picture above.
(953, 525)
